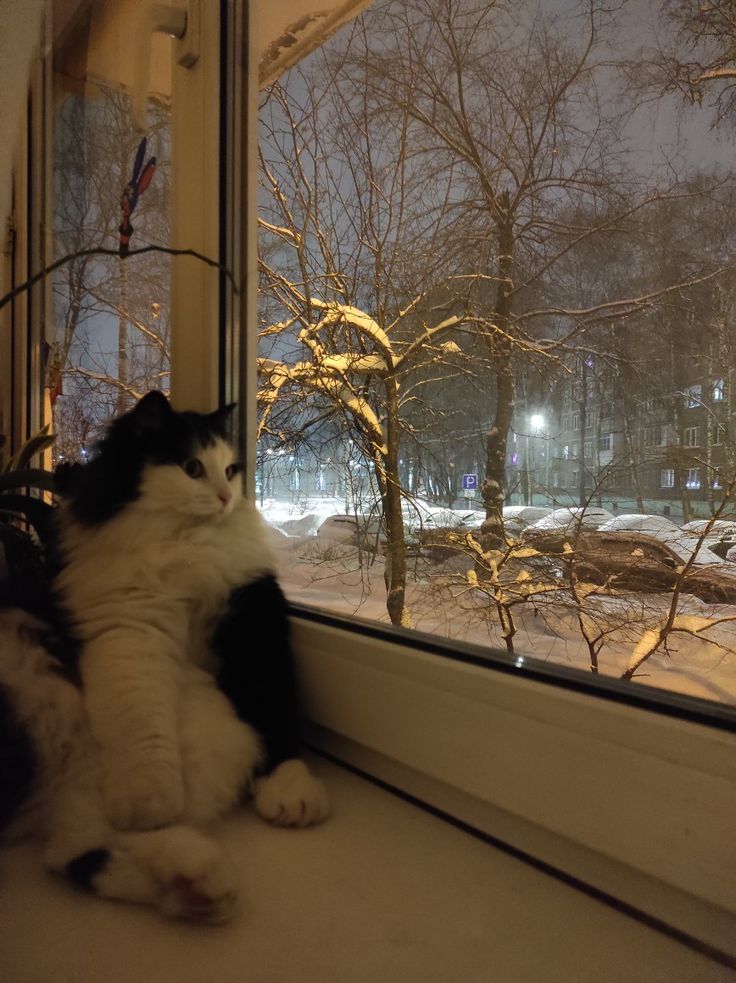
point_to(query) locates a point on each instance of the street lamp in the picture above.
(537, 425)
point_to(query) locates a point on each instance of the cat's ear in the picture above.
(151, 412)
(219, 419)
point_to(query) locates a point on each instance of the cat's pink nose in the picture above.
(224, 498)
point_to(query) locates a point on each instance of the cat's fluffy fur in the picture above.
(184, 695)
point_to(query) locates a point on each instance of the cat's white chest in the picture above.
(216, 557)
(150, 570)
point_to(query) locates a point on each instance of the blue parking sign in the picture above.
(470, 482)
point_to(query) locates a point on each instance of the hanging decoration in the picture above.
(138, 183)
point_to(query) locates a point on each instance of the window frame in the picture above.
(691, 436)
(26, 250)
(694, 397)
(370, 692)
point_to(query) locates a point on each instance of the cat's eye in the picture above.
(194, 468)
(232, 469)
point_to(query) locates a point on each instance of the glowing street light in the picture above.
(537, 426)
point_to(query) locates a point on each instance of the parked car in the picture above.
(417, 513)
(568, 520)
(718, 526)
(721, 537)
(630, 560)
(518, 517)
(473, 519)
(660, 527)
(304, 525)
(352, 530)
(655, 525)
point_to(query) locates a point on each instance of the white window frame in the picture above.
(667, 478)
(691, 437)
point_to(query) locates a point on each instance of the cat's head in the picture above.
(163, 460)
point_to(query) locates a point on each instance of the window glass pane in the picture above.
(496, 282)
(108, 338)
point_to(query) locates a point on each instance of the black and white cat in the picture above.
(182, 696)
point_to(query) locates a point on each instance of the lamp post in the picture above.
(537, 424)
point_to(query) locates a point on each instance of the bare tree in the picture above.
(693, 55)
(514, 119)
(325, 278)
(109, 338)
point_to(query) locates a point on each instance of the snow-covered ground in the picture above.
(304, 516)
(442, 601)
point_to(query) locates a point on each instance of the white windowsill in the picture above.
(381, 892)
(632, 802)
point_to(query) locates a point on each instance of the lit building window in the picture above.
(693, 478)
(693, 397)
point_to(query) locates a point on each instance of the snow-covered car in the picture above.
(472, 519)
(720, 537)
(518, 517)
(630, 560)
(686, 547)
(420, 516)
(718, 527)
(351, 530)
(303, 525)
(417, 513)
(660, 527)
(447, 518)
(569, 520)
(655, 525)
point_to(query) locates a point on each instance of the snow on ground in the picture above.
(329, 575)
(304, 516)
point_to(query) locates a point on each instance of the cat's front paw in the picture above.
(291, 796)
(196, 881)
(204, 896)
(149, 800)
